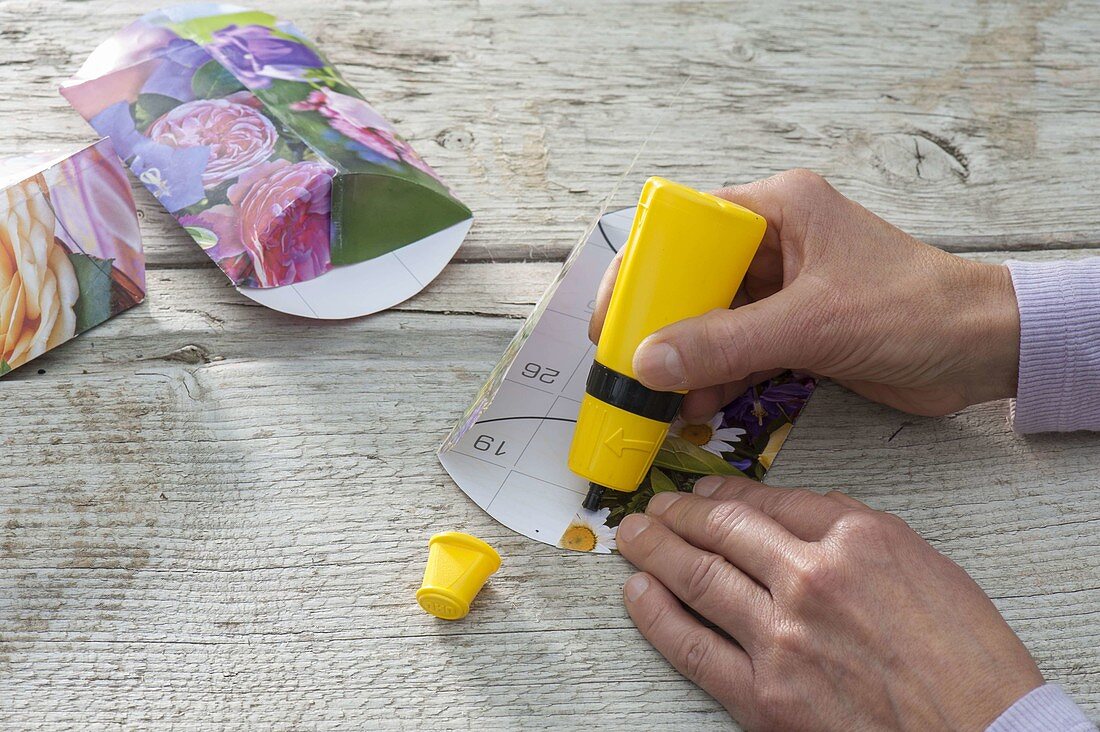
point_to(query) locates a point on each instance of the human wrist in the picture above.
(990, 333)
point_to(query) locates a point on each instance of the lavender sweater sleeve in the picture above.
(1046, 709)
(1059, 391)
(1059, 305)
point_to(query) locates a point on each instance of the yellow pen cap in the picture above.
(686, 255)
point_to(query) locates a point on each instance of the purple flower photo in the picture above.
(177, 64)
(173, 175)
(754, 410)
(256, 55)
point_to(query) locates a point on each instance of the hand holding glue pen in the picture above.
(726, 570)
(686, 255)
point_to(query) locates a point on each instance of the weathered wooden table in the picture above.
(214, 516)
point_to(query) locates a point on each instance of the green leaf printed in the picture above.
(214, 81)
(280, 94)
(679, 454)
(150, 107)
(373, 215)
(93, 277)
(201, 29)
(205, 238)
(660, 481)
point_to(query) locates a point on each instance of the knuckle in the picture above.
(802, 181)
(724, 519)
(817, 578)
(733, 487)
(701, 577)
(892, 522)
(789, 499)
(656, 619)
(805, 497)
(868, 528)
(653, 552)
(693, 654)
(806, 197)
(790, 639)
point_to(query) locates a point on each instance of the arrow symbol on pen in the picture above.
(617, 443)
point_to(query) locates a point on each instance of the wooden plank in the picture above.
(970, 124)
(215, 515)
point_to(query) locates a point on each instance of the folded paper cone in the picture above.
(458, 565)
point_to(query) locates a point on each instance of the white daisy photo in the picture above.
(588, 532)
(710, 435)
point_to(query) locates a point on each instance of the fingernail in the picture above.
(659, 365)
(631, 526)
(706, 486)
(635, 586)
(660, 502)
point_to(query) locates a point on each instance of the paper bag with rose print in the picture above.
(305, 197)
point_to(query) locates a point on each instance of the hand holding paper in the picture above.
(843, 617)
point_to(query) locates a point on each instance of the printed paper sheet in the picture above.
(509, 452)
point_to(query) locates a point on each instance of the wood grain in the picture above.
(214, 516)
(970, 124)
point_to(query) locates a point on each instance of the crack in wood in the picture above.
(947, 146)
(192, 354)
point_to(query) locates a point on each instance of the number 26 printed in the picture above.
(545, 374)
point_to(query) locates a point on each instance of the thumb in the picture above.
(725, 345)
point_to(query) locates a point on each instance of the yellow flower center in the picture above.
(759, 411)
(579, 538)
(697, 434)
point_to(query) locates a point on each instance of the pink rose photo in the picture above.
(284, 220)
(239, 137)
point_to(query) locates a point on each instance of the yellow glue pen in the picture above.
(686, 255)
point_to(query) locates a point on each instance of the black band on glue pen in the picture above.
(630, 395)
